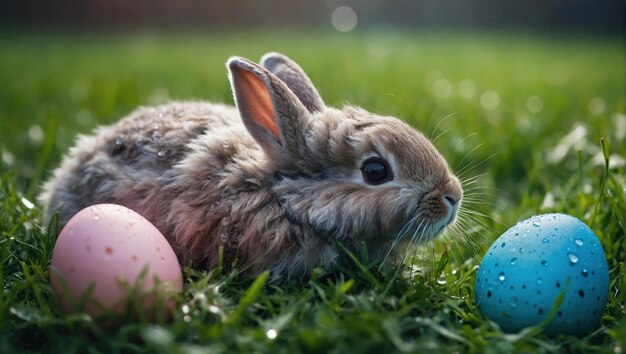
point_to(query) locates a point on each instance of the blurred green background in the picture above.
(514, 78)
(513, 94)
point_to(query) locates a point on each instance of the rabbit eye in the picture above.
(376, 171)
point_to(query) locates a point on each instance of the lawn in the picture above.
(520, 117)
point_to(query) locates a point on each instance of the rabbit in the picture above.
(281, 182)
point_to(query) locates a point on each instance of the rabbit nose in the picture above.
(450, 200)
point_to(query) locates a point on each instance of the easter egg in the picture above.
(110, 249)
(527, 268)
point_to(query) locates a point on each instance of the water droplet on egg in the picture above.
(545, 240)
(539, 281)
(584, 273)
(579, 242)
(96, 218)
(544, 263)
(572, 258)
(536, 221)
(513, 260)
(501, 277)
(514, 302)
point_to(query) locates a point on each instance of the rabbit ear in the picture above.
(273, 115)
(295, 78)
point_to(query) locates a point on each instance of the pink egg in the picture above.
(107, 245)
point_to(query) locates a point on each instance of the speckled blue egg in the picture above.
(527, 267)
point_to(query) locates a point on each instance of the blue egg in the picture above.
(527, 267)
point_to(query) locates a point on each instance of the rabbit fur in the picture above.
(275, 183)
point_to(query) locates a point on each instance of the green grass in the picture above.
(53, 86)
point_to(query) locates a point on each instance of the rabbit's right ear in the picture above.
(292, 74)
(271, 112)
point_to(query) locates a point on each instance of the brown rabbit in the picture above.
(277, 182)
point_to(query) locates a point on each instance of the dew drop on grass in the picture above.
(573, 259)
(271, 334)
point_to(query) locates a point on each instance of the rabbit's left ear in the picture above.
(271, 112)
(292, 74)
